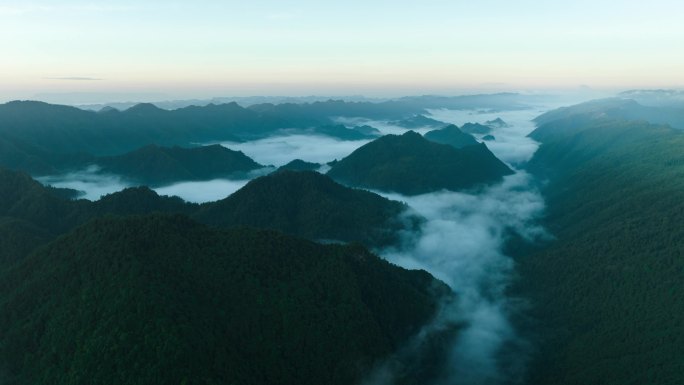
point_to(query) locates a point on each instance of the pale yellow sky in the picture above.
(211, 48)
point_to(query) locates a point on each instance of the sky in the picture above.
(180, 49)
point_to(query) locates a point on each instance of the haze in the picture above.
(172, 49)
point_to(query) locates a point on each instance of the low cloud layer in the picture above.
(511, 144)
(93, 184)
(462, 244)
(279, 150)
(205, 191)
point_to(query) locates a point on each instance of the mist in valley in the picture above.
(89, 182)
(461, 242)
(281, 149)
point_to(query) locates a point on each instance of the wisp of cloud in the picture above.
(92, 183)
(279, 150)
(202, 191)
(462, 243)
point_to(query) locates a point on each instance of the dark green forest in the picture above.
(300, 165)
(165, 300)
(153, 165)
(137, 288)
(42, 138)
(418, 121)
(313, 206)
(301, 203)
(452, 136)
(411, 165)
(91, 298)
(606, 293)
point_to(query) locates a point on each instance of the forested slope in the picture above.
(607, 291)
(313, 206)
(410, 164)
(165, 300)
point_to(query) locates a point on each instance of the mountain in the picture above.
(311, 112)
(452, 136)
(656, 98)
(154, 165)
(63, 130)
(31, 215)
(418, 121)
(45, 139)
(313, 206)
(505, 101)
(604, 295)
(302, 203)
(476, 128)
(139, 201)
(164, 300)
(496, 123)
(368, 130)
(618, 109)
(42, 139)
(300, 165)
(410, 164)
(496, 102)
(17, 155)
(23, 198)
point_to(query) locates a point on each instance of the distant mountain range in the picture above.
(617, 108)
(418, 121)
(44, 139)
(300, 165)
(476, 128)
(499, 102)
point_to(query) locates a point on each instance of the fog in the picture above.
(279, 150)
(462, 244)
(94, 185)
(89, 181)
(511, 143)
(204, 191)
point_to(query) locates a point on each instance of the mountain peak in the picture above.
(451, 135)
(411, 164)
(310, 205)
(143, 108)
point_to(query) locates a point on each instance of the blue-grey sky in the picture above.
(209, 48)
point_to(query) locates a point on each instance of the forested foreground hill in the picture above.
(608, 292)
(164, 300)
(302, 203)
(313, 206)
